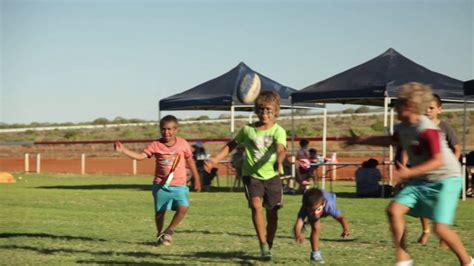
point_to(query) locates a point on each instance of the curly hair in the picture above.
(419, 94)
(270, 98)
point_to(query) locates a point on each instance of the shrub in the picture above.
(119, 120)
(71, 134)
(35, 124)
(224, 116)
(377, 126)
(348, 111)
(302, 131)
(136, 121)
(362, 109)
(100, 121)
(203, 117)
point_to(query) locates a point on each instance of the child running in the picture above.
(169, 188)
(318, 204)
(434, 109)
(265, 151)
(434, 179)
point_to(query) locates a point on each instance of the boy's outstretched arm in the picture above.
(281, 155)
(371, 140)
(345, 225)
(209, 164)
(297, 230)
(197, 178)
(129, 153)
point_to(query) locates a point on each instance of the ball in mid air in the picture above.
(249, 88)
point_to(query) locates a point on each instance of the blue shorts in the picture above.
(170, 198)
(434, 200)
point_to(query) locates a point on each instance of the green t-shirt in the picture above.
(260, 150)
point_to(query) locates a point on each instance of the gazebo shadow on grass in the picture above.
(212, 257)
(44, 235)
(140, 187)
(223, 189)
(102, 187)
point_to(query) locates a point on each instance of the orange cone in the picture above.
(6, 178)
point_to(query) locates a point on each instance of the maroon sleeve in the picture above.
(430, 141)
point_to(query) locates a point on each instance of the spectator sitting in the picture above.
(199, 152)
(200, 155)
(367, 180)
(306, 171)
(303, 152)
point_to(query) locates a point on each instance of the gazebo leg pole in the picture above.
(325, 128)
(232, 113)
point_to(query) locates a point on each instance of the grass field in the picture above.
(68, 219)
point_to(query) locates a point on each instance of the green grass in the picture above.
(66, 219)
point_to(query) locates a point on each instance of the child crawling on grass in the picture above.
(317, 204)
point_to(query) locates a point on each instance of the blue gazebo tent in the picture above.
(376, 82)
(220, 93)
(379, 78)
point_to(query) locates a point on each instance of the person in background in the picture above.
(200, 155)
(433, 111)
(367, 180)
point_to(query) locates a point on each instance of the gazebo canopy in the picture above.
(372, 81)
(469, 88)
(220, 93)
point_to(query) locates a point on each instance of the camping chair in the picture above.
(213, 175)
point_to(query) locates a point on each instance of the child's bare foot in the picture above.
(424, 238)
(442, 245)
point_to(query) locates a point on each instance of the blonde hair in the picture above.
(270, 98)
(419, 94)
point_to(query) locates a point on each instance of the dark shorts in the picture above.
(270, 190)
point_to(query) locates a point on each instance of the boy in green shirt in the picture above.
(265, 151)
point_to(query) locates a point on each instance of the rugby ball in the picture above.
(249, 88)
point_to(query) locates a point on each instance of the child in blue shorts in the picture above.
(169, 187)
(318, 204)
(433, 182)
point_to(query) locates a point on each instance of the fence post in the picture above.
(334, 160)
(38, 163)
(134, 166)
(83, 164)
(27, 162)
(293, 172)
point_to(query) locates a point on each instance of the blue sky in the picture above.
(77, 60)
